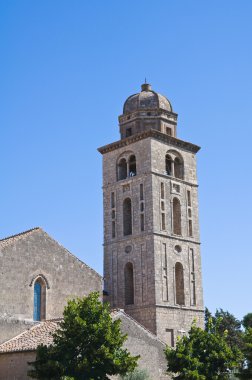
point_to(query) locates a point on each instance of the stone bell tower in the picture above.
(152, 263)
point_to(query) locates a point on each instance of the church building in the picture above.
(152, 262)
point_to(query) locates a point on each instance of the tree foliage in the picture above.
(202, 354)
(87, 345)
(226, 324)
(247, 321)
(246, 368)
(138, 374)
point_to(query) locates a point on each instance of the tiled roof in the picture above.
(10, 239)
(30, 339)
(41, 333)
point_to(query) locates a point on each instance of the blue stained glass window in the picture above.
(37, 302)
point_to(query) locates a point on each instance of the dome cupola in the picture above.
(147, 110)
(147, 99)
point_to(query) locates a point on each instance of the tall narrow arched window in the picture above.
(129, 284)
(39, 308)
(178, 168)
(179, 280)
(176, 214)
(132, 166)
(122, 169)
(168, 164)
(127, 217)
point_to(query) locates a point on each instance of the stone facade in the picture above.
(31, 255)
(141, 342)
(161, 249)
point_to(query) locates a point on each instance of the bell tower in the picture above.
(152, 263)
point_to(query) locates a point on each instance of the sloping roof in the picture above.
(13, 238)
(119, 313)
(30, 339)
(22, 235)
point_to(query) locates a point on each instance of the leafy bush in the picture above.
(138, 374)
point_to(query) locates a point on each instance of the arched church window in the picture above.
(179, 280)
(129, 284)
(132, 166)
(39, 308)
(176, 214)
(127, 217)
(178, 168)
(168, 164)
(122, 169)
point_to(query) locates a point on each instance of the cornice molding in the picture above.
(152, 133)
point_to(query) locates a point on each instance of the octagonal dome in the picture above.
(147, 99)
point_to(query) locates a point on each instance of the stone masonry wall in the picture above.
(14, 366)
(34, 254)
(155, 251)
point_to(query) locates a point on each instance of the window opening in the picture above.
(168, 164)
(189, 198)
(179, 279)
(113, 229)
(112, 200)
(129, 284)
(178, 168)
(142, 221)
(127, 217)
(168, 131)
(163, 221)
(128, 132)
(132, 166)
(162, 190)
(162, 205)
(39, 309)
(193, 284)
(176, 216)
(122, 169)
(190, 227)
(141, 192)
(171, 337)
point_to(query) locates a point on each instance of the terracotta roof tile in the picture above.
(41, 333)
(30, 339)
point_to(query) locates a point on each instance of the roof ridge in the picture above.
(21, 233)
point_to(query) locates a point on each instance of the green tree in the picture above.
(247, 321)
(87, 345)
(226, 323)
(202, 355)
(246, 368)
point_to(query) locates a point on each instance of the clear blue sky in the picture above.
(67, 67)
